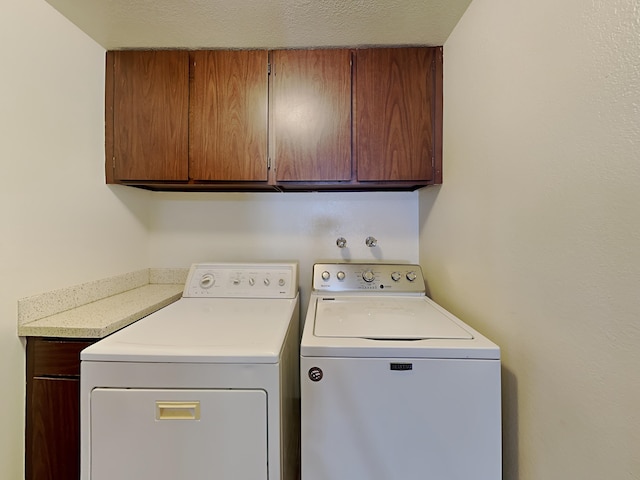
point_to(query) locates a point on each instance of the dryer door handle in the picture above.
(177, 410)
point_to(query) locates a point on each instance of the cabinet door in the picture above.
(150, 115)
(228, 115)
(312, 114)
(395, 113)
(52, 436)
(53, 448)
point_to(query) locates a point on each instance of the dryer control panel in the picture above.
(242, 280)
(368, 277)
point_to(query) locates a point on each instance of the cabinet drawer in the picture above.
(55, 357)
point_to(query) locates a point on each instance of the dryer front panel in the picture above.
(170, 434)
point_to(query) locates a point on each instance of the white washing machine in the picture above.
(394, 387)
(207, 387)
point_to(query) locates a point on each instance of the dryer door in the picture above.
(171, 434)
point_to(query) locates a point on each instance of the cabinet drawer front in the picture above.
(55, 357)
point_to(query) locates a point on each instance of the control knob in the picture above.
(340, 275)
(207, 280)
(326, 275)
(368, 276)
(411, 276)
(396, 276)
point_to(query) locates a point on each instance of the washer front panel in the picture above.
(434, 419)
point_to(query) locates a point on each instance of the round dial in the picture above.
(207, 280)
(252, 281)
(368, 276)
(326, 275)
(267, 282)
(411, 276)
(340, 275)
(396, 276)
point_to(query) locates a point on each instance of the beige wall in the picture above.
(534, 238)
(194, 227)
(59, 224)
(62, 226)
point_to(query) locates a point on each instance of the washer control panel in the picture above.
(242, 280)
(368, 277)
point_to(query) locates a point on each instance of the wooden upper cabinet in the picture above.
(398, 114)
(364, 118)
(228, 115)
(311, 115)
(147, 115)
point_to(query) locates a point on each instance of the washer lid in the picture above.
(384, 318)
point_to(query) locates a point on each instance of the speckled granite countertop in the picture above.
(96, 309)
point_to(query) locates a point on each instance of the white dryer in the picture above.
(207, 387)
(394, 387)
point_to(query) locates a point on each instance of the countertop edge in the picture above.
(105, 316)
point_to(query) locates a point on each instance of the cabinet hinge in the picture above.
(113, 164)
(269, 68)
(269, 163)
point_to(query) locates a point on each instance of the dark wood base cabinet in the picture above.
(52, 450)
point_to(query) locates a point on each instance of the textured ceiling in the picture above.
(117, 24)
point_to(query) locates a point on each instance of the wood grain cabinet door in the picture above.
(52, 434)
(54, 451)
(311, 114)
(395, 113)
(150, 104)
(228, 115)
